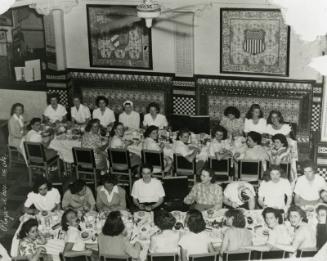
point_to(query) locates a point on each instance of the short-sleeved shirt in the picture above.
(309, 190)
(160, 121)
(73, 235)
(273, 194)
(75, 201)
(233, 190)
(117, 143)
(43, 203)
(206, 194)
(195, 243)
(182, 148)
(216, 146)
(285, 130)
(81, 114)
(131, 120)
(260, 126)
(148, 192)
(105, 118)
(55, 114)
(279, 235)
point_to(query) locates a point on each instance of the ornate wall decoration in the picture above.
(253, 41)
(126, 47)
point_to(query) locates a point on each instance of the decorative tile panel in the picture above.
(184, 105)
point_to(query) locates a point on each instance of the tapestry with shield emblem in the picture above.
(254, 41)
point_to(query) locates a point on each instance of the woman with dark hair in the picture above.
(321, 211)
(237, 236)
(16, 125)
(54, 112)
(207, 194)
(43, 198)
(304, 235)
(150, 142)
(275, 189)
(79, 112)
(275, 124)
(110, 196)
(232, 122)
(220, 148)
(78, 196)
(154, 117)
(197, 240)
(29, 239)
(112, 240)
(280, 152)
(92, 140)
(165, 240)
(103, 113)
(74, 245)
(254, 120)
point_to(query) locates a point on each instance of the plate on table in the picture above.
(86, 235)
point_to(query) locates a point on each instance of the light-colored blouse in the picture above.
(116, 200)
(234, 127)
(16, 130)
(260, 126)
(165, 241)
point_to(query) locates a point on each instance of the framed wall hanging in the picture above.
(128, 46)
(254, 41)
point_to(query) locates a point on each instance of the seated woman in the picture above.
(16, 125)
(275, 190)
(321, 211)
(277, 231)
(150, 142)
(105, 115)
(220, 147)
(43, 198)
(254, 120)
(74, 245)
(79, 112)
(92, 140)
(29, 239)
(79, 197)
(54, 112)
(232, 122)
(207, 194)
(166, 240)
(275, 124)
(196, 240)
(110, 196)
(189, 152)
(254, 149)
(279, 153)
(304, 235)
(154, 117)
(240, 194)
(112, 240)
(129, 117)
(323, 195)
(237, 236)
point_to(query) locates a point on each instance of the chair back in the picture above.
(237, 256)
(183, 166)
(34, 152)
(221, 168)
(114, 258)
(119, 159)
(310, 252)
(273, 254)
(163, 257)
(204, 257)
(285, 166)
(176, 188)
(75, 258)
(249, 170)
(84, 158)
(154, 158)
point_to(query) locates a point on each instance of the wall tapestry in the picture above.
(125, 46)
(253, 41)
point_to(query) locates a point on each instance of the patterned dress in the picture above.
(27, 247)
(93, 141)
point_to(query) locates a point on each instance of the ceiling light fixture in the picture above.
(148, 10)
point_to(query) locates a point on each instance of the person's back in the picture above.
(306, 235)
(195, 243)
(237, 238)
(165, 242)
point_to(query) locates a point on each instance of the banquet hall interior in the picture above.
(163, 115)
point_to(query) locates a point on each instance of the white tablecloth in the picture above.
(64, 147)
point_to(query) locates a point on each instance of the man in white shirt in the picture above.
(103, 113)
(79, 112)
(308, 186)
(129, 118)
(147, 192)
(54, 112)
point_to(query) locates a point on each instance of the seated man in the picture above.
(147, 192)
(308, 186)
(79, 197)
(239, 194)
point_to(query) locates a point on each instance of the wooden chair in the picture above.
(221, 168)
(14, 156)
(273, 254)
(308, 252)
(156, 159)
(176, 189)
(75, 258)
(163, 257)
(38, 158)
(249, 170)
(237, 256)
(183, 167)
(204, 257)
(114, 258)
(85, 166)
(286, 166)
(120, 164)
